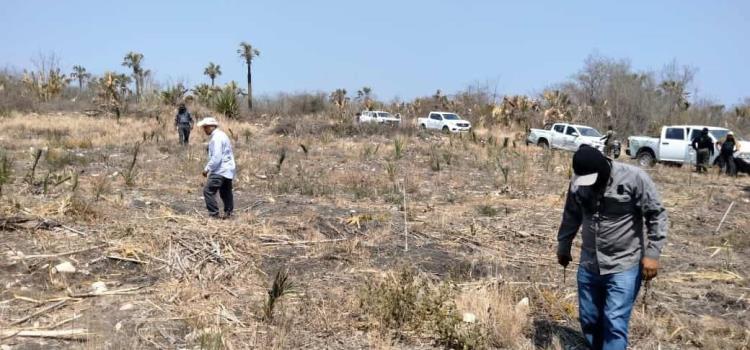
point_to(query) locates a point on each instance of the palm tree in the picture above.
(133, 61)
(248, 53)
(80, 73)
(212, 71)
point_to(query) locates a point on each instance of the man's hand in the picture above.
(205, 173)
(564, 259)
(650, 268)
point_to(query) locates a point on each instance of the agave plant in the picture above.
(204, 93)
(227, 102)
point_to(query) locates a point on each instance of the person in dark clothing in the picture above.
(183, 121)
(726, 154)
(608, 139)
(704, 149)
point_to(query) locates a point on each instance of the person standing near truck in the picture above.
(727, 148)
(609, 139)
(610, 202)
(183, 121)
(704, 149)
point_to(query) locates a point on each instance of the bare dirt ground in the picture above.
(151, 271)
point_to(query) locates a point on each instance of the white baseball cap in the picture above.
(585, 180)
(208, 121)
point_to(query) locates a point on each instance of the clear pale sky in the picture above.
(399, 48)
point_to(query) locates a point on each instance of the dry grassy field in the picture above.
(345, 237)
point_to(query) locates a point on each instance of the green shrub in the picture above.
(399, 145)
(227, 103)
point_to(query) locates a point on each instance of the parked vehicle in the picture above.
(444, 121)
(379, 117)
(565, 136)
(674, 145)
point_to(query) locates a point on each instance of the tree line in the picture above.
(604, 92)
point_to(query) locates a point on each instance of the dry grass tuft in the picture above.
(502, 319)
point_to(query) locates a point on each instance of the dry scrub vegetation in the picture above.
(345, 237)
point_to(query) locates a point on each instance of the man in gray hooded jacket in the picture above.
(610, 203)
(183, 121)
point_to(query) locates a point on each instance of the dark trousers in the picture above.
(184, 132)
(727, 161)
(216, 183)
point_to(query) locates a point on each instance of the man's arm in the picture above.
(571, 222)
(655, 216)
(214, 156)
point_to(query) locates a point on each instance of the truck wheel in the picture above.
(646, 159)
(446, 130)
(543, 144)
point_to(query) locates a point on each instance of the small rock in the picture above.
(99, 287)
(469, 317)
(126, 307)
(5, 347)
(65, 267)
(118, 326)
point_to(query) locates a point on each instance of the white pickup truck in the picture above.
(379, 117)
(445, 121)
(675, 145)
(565, 136)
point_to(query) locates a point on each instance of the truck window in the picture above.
(571, 130)
(675, 134)
(560, 128)
(436, 117)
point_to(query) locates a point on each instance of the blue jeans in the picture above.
(605, 303)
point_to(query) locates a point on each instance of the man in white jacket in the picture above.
(219, 170)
